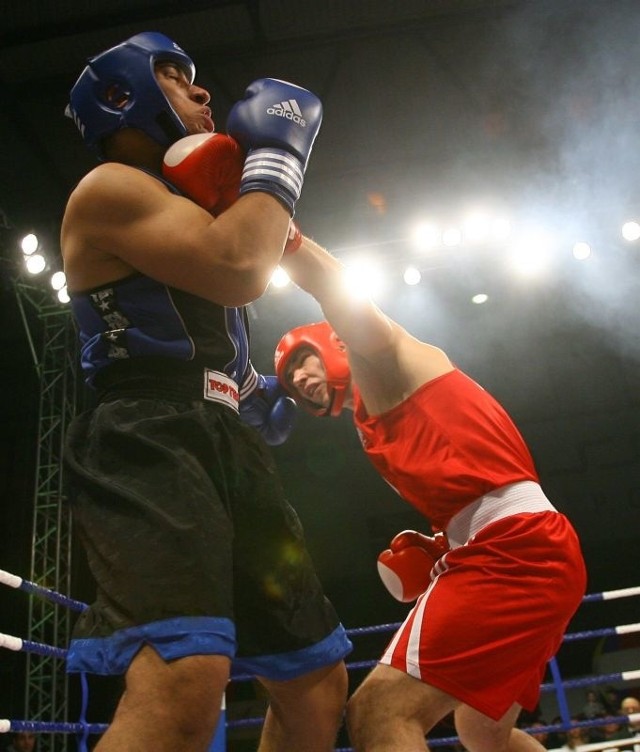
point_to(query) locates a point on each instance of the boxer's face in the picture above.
(631, 705)
(24, 741)
(188, 100)
(308, 377)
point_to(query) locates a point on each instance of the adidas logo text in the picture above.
(288, 109)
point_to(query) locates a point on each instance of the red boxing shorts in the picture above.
(495, 613)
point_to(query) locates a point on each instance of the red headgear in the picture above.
(324, 342)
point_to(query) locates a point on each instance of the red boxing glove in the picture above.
(405, 566)
(206, 167)
(435, 546)
(294, 239)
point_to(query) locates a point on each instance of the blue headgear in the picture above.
(118, 89)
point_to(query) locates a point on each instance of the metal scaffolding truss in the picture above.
(55, 360)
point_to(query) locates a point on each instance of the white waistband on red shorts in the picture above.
(524, 496)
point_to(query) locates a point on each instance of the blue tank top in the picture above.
(138, 330)
(137, 317)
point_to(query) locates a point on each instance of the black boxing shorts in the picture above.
(192, 545)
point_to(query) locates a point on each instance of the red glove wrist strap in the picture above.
(294, 239)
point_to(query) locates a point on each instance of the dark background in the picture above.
(431, 108)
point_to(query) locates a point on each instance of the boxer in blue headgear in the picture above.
(119, 89)
(199, 560)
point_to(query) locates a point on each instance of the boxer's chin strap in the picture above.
(338, 395)
(166, 122)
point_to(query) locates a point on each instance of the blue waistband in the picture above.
(199, 635)
(170, 638)
(284, 666)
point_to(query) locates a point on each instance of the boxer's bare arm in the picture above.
(120, 220)
(387, 362)
(358, 322)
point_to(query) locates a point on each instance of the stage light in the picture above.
(35, 263)
(476, 228)
(280, 278)
(451, 237)
(412, 275)
(58, 280)
(480, 298)
(29, 244)
(631, 231)
(425, 236)
(581, 251)
(530, 254)
(363, 279)
(500, 229)
(63, 295)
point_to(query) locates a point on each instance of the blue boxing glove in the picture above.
(276, 123)
(269, 409)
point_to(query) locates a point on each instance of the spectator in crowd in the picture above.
(628, 706)
(629, 730)
(606, 730)
(611, 699)
(555, 739)
(593, 706)
(575, 737)
(22, 741)
(541, 736)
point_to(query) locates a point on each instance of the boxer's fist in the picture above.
(435, 546)
(276, 123)
(276, 114)
(206, 167)
(270, 410)
(405, 566)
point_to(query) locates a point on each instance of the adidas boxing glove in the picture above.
(269, 409)
(206, 167)
(405, 566)
(276, 123)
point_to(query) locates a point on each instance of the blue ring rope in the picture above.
(83, 729)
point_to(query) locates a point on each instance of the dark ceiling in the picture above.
(530, 106)
(429, 99)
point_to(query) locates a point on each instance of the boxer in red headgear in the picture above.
(498, 583)
(317, 340)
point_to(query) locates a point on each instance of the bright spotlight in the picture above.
(58, 280)
(29, 244)
(63, 295)
(581, 251)
(35, 263)
(412, 275)
(480, 298)
(476, 228)
(631, 231)
(451, 237)
(500, 229)
(425, 236)
(363, 279)
(531, 255)
(280, 278)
